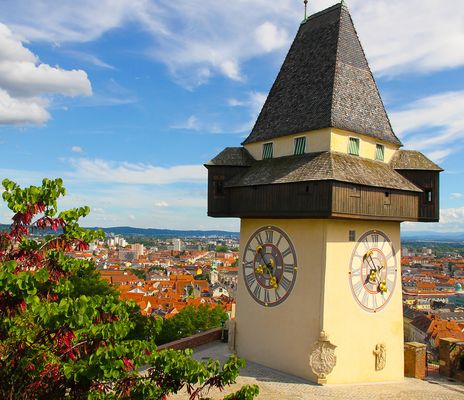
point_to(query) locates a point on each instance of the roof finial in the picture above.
(306, 9)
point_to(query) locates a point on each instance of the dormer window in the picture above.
(353, 146)
(268, 151)
(300, 145)
(380, 152)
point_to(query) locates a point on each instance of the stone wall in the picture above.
(451, 351)
(415, 365)
(194, 341)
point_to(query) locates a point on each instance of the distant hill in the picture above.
(127, 230)
(130, 231)
(433, 236)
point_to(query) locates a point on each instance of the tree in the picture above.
(189, 321)
(65, 334)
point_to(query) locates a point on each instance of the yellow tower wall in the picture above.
(353, 330)
(281, 337)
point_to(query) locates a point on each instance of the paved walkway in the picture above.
(275, 385)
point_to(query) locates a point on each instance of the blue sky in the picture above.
(126, 99)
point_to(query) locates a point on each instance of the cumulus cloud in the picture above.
(130, 173)
(432, 124)
(455, 196)
(24, 81)
(451, 220)
(200, 38)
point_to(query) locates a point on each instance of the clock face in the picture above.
(373, 271)
(269, 266)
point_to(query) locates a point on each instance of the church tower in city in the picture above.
(321, 186)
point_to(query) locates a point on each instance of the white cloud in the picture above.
(89, 58)
(411, 36)
(77, 149)
(442, 119)
(161, 204)
(270, 37)
(24, 81)
(19, 111)
(455, 196)
(451, 220)
(200, 38)
(129, 173)
(191, 123)
(254, 101)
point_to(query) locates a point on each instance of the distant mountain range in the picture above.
(171, 233)
(130, 231)
(127, 230)
(433, 236)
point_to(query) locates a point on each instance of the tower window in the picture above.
(380, 152)
(428, 196)
(353, 146)
(267, 151)
(300, 145)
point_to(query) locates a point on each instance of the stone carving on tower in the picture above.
(322, 359)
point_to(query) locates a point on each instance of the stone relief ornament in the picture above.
(322, 359)
(380, 353)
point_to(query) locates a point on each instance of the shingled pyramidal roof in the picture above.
(325, 81)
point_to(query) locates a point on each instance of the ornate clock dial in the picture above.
(269, 266)
(373, 271)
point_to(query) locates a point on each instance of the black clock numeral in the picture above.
(287, 252)
(267, 298)
(251, 250)
(278, 296)
(288, 268)
(257, 291)
(269, 236)
(248, 264)
(250, 279)
(278, 241)
(259, 239)
(285, 283)
(375, 239)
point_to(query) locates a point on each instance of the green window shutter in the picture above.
(300, 145)
(267, 151)
(353, 146)
(380, 152)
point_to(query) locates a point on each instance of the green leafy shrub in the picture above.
(63, 332)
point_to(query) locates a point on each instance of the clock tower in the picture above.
(321, 185)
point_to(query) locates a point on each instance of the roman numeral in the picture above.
(278, 241)
(285, 283)
(248, 264)
(251, 250)
(288, 268)
(269, 236)
(356, 272)
(374, 302)
(257, 291)
(287, 252)
(259, 239)
(267, 298)
(278, 296)
(357, 288)
(365, 299)
(375, 239)
(250, 279)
